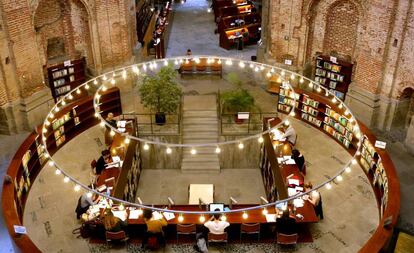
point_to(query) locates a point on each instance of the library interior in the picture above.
(207, 126)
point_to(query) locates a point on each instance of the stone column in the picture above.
(409, 139)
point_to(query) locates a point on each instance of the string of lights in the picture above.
(137, 68)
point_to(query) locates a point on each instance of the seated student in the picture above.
(110, 119)
(112, 223)
(215, 225)
(84, 202)
(102, 161)
(189, 52)
(315, 199)
(154, 228)
(299, 160)
(290, 135)
(286, 224)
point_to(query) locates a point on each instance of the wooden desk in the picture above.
(201, 67)
(228, 36)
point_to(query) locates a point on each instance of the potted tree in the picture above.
(237, 100)
(161, 93)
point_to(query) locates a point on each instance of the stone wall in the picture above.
(231, 157)
(157, 158)
(376, 35)
(34, 34)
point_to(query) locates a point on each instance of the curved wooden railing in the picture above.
(376, 243)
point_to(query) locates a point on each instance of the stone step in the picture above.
(205, 127)
(199, 141)
(201, 150)
(199, 120)
(212, 130)
(200, 114)
(200, 135)
(201, 168)
(200, 158)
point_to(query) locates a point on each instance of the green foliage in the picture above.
(237, 100)
(161, 92)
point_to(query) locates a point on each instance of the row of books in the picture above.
(311, 119)
(310, 110)
(322, 80)
(308, 101)
(327, 65)
(337, 135)
(288, 101)
(63, 72)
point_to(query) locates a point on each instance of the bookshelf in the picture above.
(333, 74)
(130, 187)
(143, 18)
(320, 113)
(65, 77)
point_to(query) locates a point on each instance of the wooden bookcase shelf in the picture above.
(65, 77)
(333, 74)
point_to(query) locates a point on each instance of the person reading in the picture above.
(104, 159)
(84, 202)
(215, 225)
(315, 199)
(112, 223)
(290, 135)
(111, 121)
(286, 224)
(154, 228)
(299, 160)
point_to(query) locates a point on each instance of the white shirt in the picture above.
(290, 135)
(216, 226)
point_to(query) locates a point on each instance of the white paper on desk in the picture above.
(169, 216)
(102, 204)
(156, 215)
(290, 161)
(116, 159)
(293, 181)
(299, 189)
(280, 160)
(291, 191)
(271, 217)
(134, 214)
(101, 188)
(120, 214)
(298, 202)
(94, 209)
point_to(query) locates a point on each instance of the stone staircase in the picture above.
(200, 125)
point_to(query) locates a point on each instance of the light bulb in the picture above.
(102, 124)
(113, 81)
(66, 179)
(272, 70)
(256, 69)
(346, 112)
(348, 169)
(301, 81)
(251, 65)
(76, 188)
(146, 146)
(96, 115)
(354, 161)
(328, 186)
(245, 215)
(310, 85)
(286, 123)
(44, 130)
(282, 73)
(218, 150)
(292, 76)
(241, 145)
(223, 217)
(78, 91)
(56, 109)
(165, 63)
(318, 89)
(261, 67)
(180, 218)
(268, 74)
(260, 140)
(197, 60)
(112, 133)
(51, 115)
(104, 88)
(229, 62)
(124, 74)
(51, 163)
(127, 140)
(46, 155)
(334, 100)
(339, 178)
(176, 62)
(241, 64)
(193, 151)
(89, 194)
(86, 87)
(292, 113)
(63, 102)
(209, 10)
(264, 212)
(279, 80)
(202, 218)
(58, 172)
(168, 150)
(95, 82)
(104, 77)
(340, 106)
(218, 61)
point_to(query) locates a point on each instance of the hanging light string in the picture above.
(228, 61)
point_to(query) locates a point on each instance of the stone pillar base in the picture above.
(409, 139)
(25, 114)
(364, 105)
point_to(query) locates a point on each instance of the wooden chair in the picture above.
(284, 239)
(186, 229)
(119, 236)
(250, 229)
(92, 173)
(214, 238)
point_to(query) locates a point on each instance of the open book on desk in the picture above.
(120, 214)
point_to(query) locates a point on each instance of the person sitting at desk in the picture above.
(299, 160)
(102, 161)
(290, 135)
(84, 202)
(215, 225)
(315, 199)
(111, 121)
(112, 223)
(154, 227)
(286, 224)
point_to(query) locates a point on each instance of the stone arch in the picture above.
(76, 28)
(342, 22)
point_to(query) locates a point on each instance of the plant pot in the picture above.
(160, 118)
